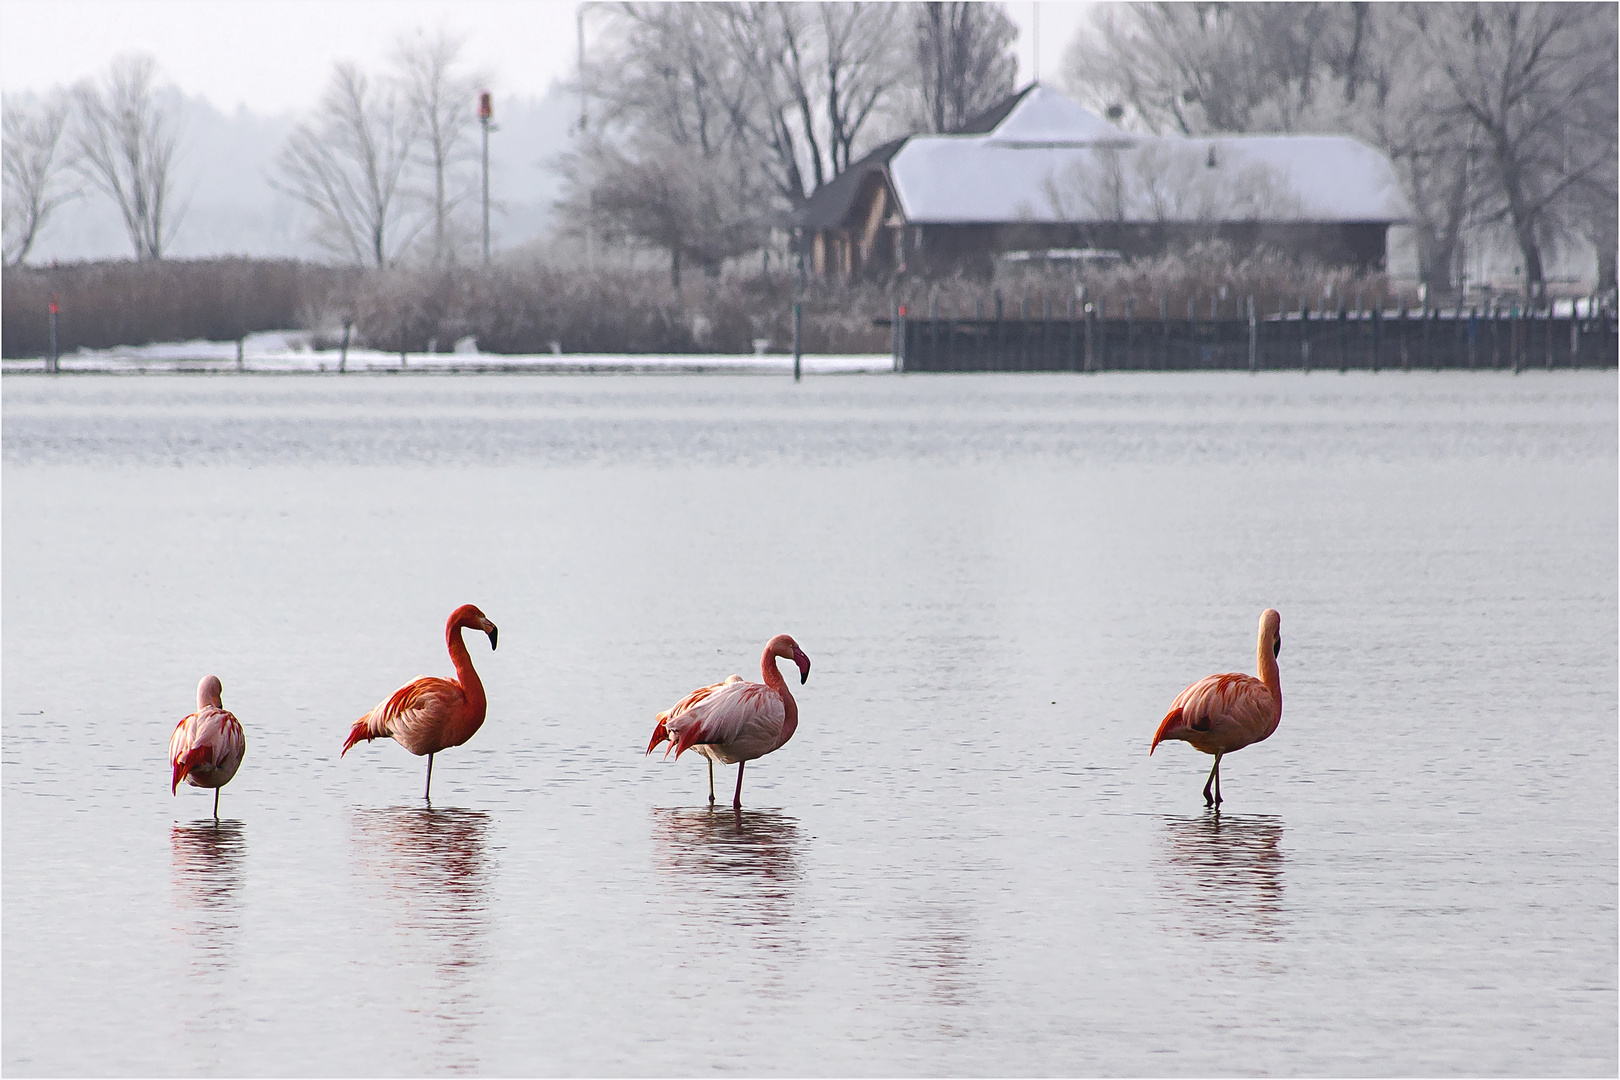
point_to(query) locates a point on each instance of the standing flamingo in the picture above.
(1223, 713)
(207, 746)
(428, 714)
(736, 721)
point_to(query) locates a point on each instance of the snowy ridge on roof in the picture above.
(1046, 116)
(1052, 161)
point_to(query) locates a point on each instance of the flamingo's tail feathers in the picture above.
(1167, 728)
(685, 739)
(360, 732)
(660, 734)
(188, 761)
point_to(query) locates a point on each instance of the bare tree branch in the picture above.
(124, 143)
(347, 164)
(34, 172)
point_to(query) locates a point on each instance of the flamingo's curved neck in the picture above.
(471, 685)
(773, 679)
(1266, 663)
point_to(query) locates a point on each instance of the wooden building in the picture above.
(1040, 172)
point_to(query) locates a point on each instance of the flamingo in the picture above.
(428, 714)
(736, 721)
(1223, 713)
(207, 746)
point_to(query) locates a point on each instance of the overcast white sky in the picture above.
(275, 55)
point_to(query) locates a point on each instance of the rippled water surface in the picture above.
(964, 862)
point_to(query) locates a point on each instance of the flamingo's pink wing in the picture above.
(417, 712)
(728, 713)
(1234, 708)
(220, 733)
(180, 741)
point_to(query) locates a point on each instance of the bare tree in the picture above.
(347, 164)
(34, 171)
(440, 97)
(1537, 83)
(124, 143)
(964, 60)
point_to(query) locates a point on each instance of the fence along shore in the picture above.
(1214, 335)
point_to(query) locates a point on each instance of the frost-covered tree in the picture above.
(36, 176)
(347, 163)
(124, 141)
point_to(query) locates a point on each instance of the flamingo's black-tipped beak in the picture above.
(804, 665)
(492, 631)
(1276, 646)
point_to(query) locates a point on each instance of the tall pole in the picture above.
(584, 119)
(1036, 41)
(485, 111)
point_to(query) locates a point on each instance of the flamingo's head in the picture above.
(788, 649)
(1271, 630)
(469, 616)
(208, 691)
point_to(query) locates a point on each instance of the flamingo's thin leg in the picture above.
(427, 792)
(1217, 781)
(711, 781)
(736, 800)
(216, 804)
(1208, 801)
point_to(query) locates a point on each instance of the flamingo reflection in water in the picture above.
(742, 862)
(206, 872)
(429, 869)
(1225, 873)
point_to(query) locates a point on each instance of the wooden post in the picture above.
(1551, 322)
(933, 363)
(900, 355)
(798, 320)
(343, 350)
(1254, 339)
(1344, 333)
(401, 345)
(1405, 359)
(1473, 337)
(1164, 333)
(239, 365)
(1378, 334)
(1001, 335)
(1072, 351)
(1194, 355)
(1103, 359)
(55, 366)
(1130, 332)
(1304, 338)
(1090, 330)
(1023, 333)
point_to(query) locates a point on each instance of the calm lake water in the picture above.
(964, 862)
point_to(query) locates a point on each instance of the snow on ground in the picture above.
(290, 352)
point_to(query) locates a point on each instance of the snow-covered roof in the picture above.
(1044, 116)
(1051, 160)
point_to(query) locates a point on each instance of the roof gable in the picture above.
(1045, 116)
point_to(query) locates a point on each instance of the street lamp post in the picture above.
(486, 109)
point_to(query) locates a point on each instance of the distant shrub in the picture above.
(104, 304)
(516, 308)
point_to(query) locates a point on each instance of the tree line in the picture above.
(385, 162)
(704, 126)
(1500, 118)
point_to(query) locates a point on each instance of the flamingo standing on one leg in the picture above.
(207, 746)
(428, 714)
(736, 721)
(1223, 713)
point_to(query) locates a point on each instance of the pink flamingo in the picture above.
(207, 746)
(736, 721)
(1223, 713)
(428, 714)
